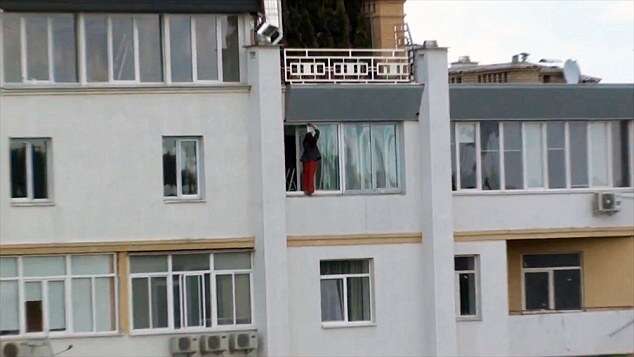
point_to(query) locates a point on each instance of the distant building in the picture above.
(519, 70)
(384, 16)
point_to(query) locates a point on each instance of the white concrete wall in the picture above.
(398, 303)
(535, 210)
(107, 164)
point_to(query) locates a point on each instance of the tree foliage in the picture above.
(325, 24)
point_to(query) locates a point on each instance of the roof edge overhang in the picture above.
(137, 6)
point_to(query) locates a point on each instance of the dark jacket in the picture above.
(311, 151)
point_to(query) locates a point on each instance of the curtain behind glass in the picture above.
(358, 299)
(384, 157)
(328, 168)
(357, 156)
(332, 300)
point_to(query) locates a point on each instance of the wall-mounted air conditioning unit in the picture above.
(606, 203)
(184, 346)
(214, 344)
(12, 349)
(244, 341)
(26, 348)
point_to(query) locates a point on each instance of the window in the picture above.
(369, 159)
(39, 48)
(512, 155)
(182, 167)
(552, 281)
(191, 291)
(346, 291)
(61, 294)
(30, 169)
(467, 289)
(120, 48)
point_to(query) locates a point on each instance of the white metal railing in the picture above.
(330, 65)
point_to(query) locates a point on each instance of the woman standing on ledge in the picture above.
(309, 159)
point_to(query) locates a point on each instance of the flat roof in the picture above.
(154, 6)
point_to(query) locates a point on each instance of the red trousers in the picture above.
(308, 177)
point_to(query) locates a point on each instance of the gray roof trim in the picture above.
(352, 102)
(542, 102)
(154, 6)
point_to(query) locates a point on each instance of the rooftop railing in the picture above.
(346, 65)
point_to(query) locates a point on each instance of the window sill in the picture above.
(544, 312)
(117, 88)
(343, 194)
(336, 325)
(183, 200)
(217, 329)
(31, 203)
(542, 192)
(468, 318)
(58, 336)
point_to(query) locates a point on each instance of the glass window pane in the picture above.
(206, 47)
(40, 169)
(44, 266)
(465, 135)
(122, 48)
(176, 302)
(599, 153)
(359, 299)
(452, 129)
(8, 267)
(357, 156)
(18, 169)
(224, 297)
(148, 263)
(578, 154)
(12, 44)
(534, 155)
(243, 299)
(64, 48)
(467, 283)
(91, 264)
(567, 289)
(56, 306)
(180, 48)
(513, 167)
(556, 142)
(169, 167)
(464, 263)
(36, 47)
(490, 151)
(536, 290)
(230, 49)
(33, 308)
(231, 261)
(9, 308)
(104, 304)
(332, 300)
(96, 48)
(551, 260)
(159, 302)
(182, 262)
(291, 155)
(327, 177)
(384, 156)
(150, 48)
(189, 168)
(82, 304)
(193, 297)
(621, 148)
(140, 303)
(330, 267)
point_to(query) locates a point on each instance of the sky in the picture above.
(598, 34)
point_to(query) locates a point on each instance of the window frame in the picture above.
(67, 278)
(341, 162)
(609, 124)
(199, 169)
(551, 282)
(212, 289)
(344, 277)
(476, 272)
(29, 199)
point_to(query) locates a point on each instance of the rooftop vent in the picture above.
(463, 61)
(520, 57)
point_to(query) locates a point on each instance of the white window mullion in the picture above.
(457, 157)
(214, 298)
(81, 48)
(589, 152)
(49, 35)
(68, 303)
(179, 188)
(608, 132)
(203, 300)
(524, 147)
(93, 302)
(110, 50)
(551, 289)
(199, 169)
(23, 45)
(478, 154)
(170, 294)
(29, 170)
(567, 154)
(219, 45)
(149, 299)
(233, 296)
(45, 307)
(135, 41)
(345, 300)
(167, 61)
(546, 182)
(192, 30)
(501, 156)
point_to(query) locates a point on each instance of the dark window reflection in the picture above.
(467, 155)
(169, 167)
(579, 154)
(513, 166)
(40, 180)
(189, 176)
(490, 147)
(621, 154)
(18, 170)
(568, 289)
(230, 50)
(536, 286)
(556, 155)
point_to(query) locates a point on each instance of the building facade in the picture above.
(150, 191)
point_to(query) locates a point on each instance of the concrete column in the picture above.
(437, 221)
(268, 200)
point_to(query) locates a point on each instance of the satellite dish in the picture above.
(572, 74)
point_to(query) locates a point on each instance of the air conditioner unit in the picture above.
(217, 343)
(26, 348)
(606, 203)
(184, 345)
(244, 341)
